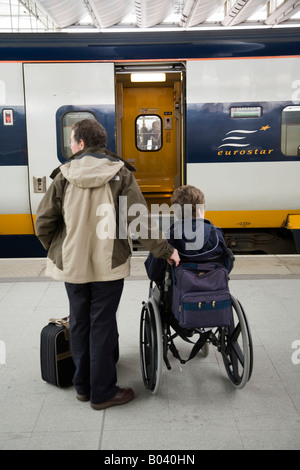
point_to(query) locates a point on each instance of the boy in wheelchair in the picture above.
(202, 251)
(193, 298)
(196, 239)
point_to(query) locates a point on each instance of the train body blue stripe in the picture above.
(13, 150)
(149, 45)
(21, 246)
(214, 137)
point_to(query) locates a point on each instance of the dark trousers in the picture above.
(94, 337)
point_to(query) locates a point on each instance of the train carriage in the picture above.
(216, 109)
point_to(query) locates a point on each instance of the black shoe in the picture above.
(123, 395)
(82, 397)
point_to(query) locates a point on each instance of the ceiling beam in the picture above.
(240, 11)
(283, 12)
(93, 14)
(152, 12)
(39, 13)
(106, 13)
(197, 11)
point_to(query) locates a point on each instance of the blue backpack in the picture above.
(201, 297)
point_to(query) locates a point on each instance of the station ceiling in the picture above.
(123, 15)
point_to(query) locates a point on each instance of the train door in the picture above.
(150, 127)
(57, 95)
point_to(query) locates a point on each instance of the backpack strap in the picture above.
(203, 337)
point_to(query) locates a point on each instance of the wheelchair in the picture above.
(159, 329)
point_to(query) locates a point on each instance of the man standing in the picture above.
(92, 265)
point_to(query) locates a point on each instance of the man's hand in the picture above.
(175, 257)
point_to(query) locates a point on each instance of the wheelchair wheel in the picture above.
(236, 347)
(151, 346)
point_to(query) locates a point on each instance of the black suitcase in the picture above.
(57, 366)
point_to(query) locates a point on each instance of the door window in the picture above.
(148, 132)
(290, 131)
(67, 122)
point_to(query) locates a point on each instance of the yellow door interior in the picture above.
(150, 129)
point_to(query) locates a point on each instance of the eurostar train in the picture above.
(217, 109)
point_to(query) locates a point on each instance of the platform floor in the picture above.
(197, 407)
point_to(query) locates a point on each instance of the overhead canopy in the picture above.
(98, 15)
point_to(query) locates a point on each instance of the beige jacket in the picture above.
(78, 221)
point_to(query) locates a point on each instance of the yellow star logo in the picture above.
(265, 128)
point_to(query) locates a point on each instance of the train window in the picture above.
(246, 112)
(148, 132)
(290, 131)
(67, 122)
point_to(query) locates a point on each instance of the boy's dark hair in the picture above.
(91, 132)
(188, 195)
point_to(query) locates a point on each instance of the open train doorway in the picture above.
(150, 126)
